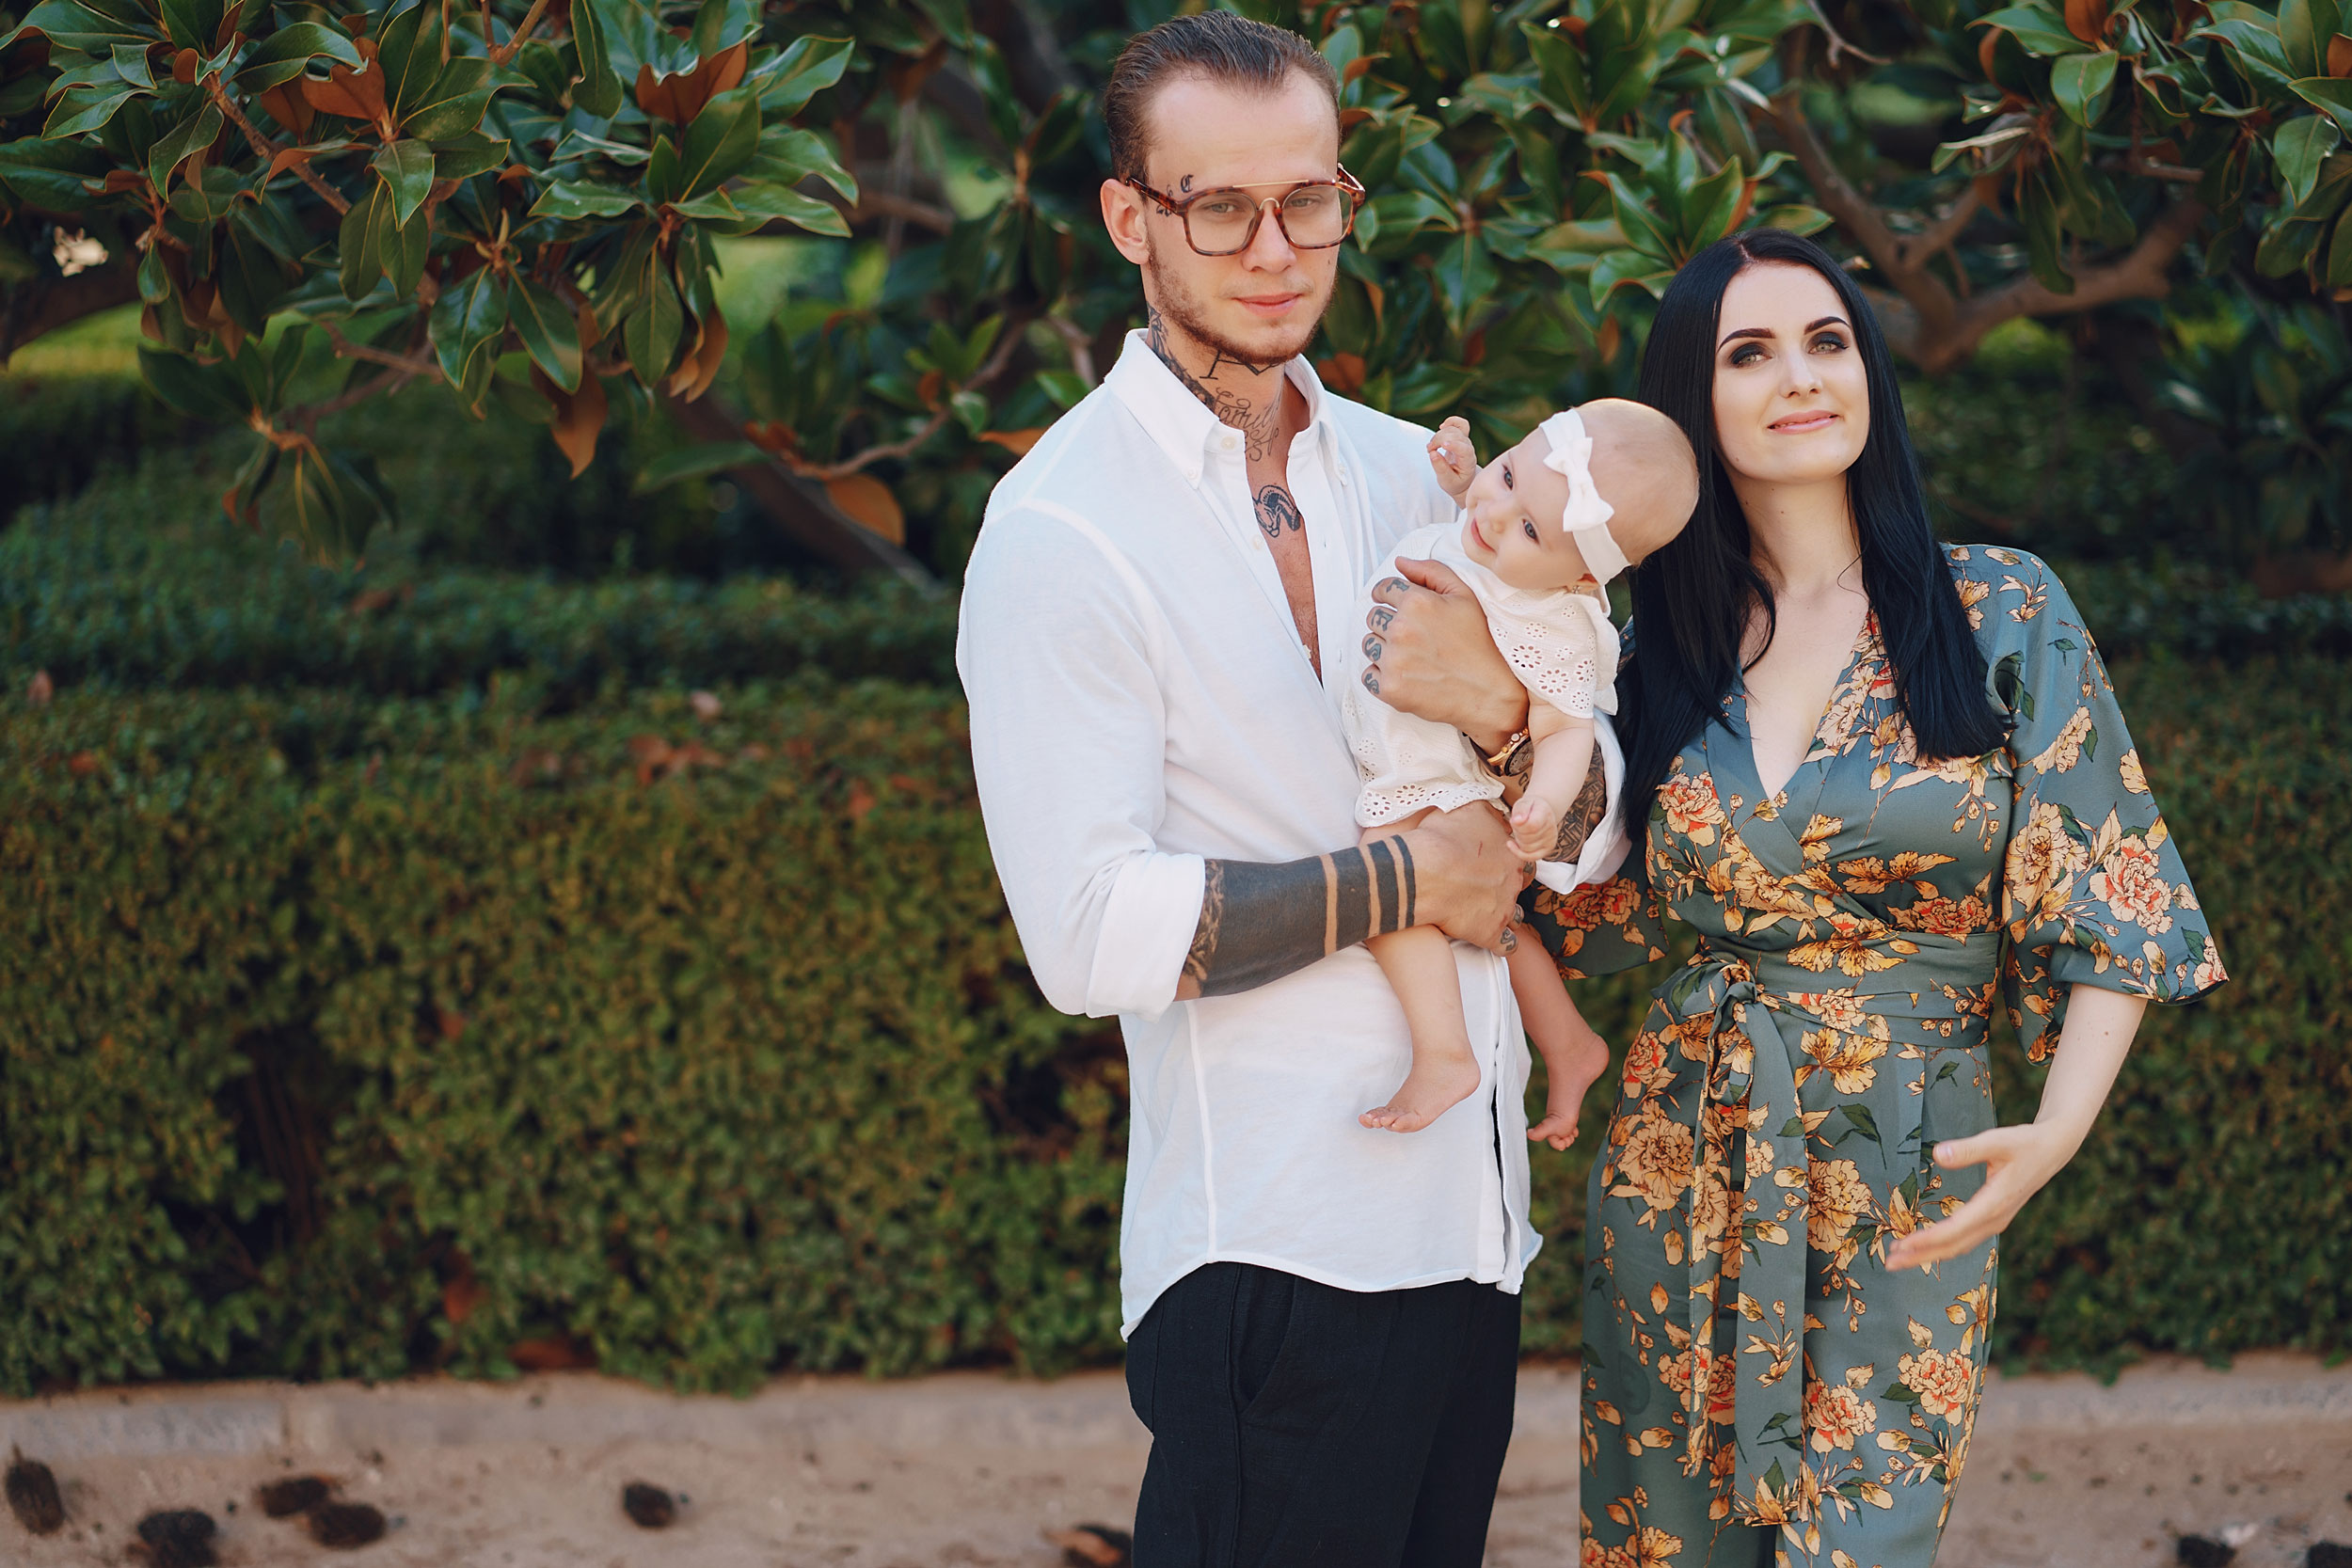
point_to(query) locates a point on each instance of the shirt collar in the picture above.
(1180, 422)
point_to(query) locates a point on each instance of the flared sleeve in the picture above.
(1600, 927)
(2093, 891)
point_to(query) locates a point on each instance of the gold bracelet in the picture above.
(1500, 763)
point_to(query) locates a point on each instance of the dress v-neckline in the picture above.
(1735, 719)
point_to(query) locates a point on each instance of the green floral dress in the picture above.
(1754, 1377)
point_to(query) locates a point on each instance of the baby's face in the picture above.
(1511, 521)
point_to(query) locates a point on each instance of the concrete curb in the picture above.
(1085, 1411)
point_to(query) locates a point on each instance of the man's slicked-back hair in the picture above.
(1215, 45)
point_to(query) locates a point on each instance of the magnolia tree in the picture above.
(520, 204)
(2101, 153)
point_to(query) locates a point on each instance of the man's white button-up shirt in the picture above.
(1140, 703)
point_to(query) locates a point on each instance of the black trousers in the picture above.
(1297, 1425)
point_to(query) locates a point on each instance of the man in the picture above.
(1321, 1320)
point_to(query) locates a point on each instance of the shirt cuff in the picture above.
(1148, 927)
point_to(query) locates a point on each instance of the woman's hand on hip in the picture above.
(2019, 1162)
(1433, 657)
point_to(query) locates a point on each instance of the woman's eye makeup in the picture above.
(1746, 354)
(1829, 340)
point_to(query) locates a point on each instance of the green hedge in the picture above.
(349, 1036)
(322, 1015)
(139, 583)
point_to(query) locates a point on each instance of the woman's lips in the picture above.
(1797, 424)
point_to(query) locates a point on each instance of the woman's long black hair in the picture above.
(1693, 597)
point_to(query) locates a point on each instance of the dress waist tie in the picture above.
(1751, 1079)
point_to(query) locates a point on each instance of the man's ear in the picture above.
(1122, 216)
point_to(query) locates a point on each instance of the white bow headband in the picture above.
(1586, 517)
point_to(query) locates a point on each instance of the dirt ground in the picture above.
(2067, 1481)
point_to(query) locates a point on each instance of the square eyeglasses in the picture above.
(1313, 215)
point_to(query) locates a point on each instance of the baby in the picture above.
(1590, 491)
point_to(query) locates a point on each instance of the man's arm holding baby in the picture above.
(1433, 657)
(1260, 922)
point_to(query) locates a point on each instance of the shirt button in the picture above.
(1227, 443)
(1343, 473)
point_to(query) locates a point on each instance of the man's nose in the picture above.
(1270, 249)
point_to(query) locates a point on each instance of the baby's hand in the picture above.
(1452, 457)
(1535, 827)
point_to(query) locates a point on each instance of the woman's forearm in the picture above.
(2096, 1038)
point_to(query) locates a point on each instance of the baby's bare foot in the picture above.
(1440, 1081)
(1569, 1071)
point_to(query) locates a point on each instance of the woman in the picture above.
(1884, 781)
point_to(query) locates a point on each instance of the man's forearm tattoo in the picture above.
(1277, 510)
(1584, 813)
(1257, 425)
(1258, 923)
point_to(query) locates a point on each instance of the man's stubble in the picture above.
(1182, 309)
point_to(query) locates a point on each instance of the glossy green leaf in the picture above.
(766, 202)
(2082, 84)
(469, 155)
(361, 239)
(566, 199)
(805, 69)
(598, 89)
(467, 321)
(453, 107)
(2040, 29)
(550, 330)
(2330, 95)
(407, 167)
(696, 462)
(787, 155)
(204, 391)
(719, 143)
(281, 56)
(2304, 28)
(652, 334)
(2298, 147)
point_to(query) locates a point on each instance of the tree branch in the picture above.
(409, 365)
(501, 52)
(268, 150)
(1007, 343)
(874, 204)
(1931, 304)
(34, 309)
(2138, 274)
(800, 506)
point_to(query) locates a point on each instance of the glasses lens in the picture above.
(1220, 220)
(1315, 215)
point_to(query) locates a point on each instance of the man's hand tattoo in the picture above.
(1584, 813)
(1277, 510)
(1258, 923)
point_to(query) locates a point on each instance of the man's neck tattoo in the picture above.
(1257, 424)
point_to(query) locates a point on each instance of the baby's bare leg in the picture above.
(1573, 1055)
(1419, 962)
(1563, 755)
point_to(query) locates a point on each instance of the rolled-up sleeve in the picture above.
(1069, 744)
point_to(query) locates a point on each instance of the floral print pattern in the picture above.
(1758, 1386)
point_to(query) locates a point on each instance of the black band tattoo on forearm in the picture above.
(1585, 813)
(1277, 510)
(1258, 923)
(1257, 425)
